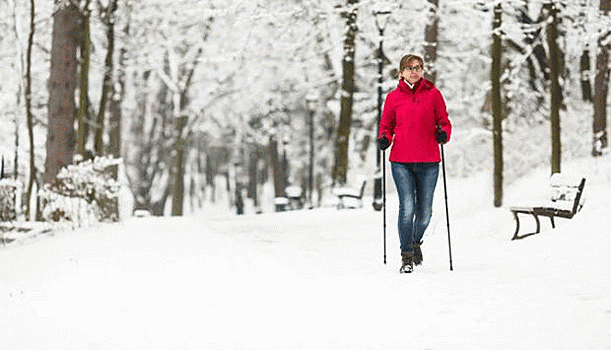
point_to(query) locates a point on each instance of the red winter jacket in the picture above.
(410, 120)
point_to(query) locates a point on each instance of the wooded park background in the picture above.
(190, 91)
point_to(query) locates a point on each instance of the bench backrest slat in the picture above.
(566, 195)
(578, 196)
(363, 188)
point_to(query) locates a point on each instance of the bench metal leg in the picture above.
(551, 218)
(515, 235)
(537, 221)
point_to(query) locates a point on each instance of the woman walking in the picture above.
(414, 121)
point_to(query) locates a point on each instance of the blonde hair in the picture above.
(409, 58)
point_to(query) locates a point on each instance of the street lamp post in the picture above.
(381, 17)
(311, 100)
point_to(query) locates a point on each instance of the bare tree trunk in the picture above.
(210, 176)
(430, 41)
(497, 108)
(556, 90)
(28, 108)
(181, 101)
(83, 115)
(178, 190)
(143, 143)
(20, 86)
(601, 85)
(62, 86)
(584, 61)
(201, 170)
(584, 69)
(114, 109)
(277, 168)
(253, 176)
(158, 207)
(108, 18)
(340, 168)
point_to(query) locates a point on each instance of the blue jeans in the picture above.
(415, 184)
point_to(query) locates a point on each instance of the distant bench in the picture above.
(565, 202)
(292, 200)
(345, 195)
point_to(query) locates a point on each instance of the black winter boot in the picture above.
(418, 254)
(407, 259)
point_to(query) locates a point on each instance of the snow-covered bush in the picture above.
(9, 194)
(86, 190)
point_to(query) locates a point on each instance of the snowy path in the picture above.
(311, 280)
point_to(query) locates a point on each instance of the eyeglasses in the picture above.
(414, 68)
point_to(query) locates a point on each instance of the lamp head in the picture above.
(382, 17)
(311, 100)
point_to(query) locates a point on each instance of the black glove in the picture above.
(442, 136)
(383, 143)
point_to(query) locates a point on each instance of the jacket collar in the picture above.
(422, 84)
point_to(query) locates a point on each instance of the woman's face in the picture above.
(413, 72)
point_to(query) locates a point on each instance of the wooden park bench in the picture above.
(345, 195)
(295, 195)
(565, 202)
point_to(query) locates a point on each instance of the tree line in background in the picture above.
(189, 90)
(545, 60)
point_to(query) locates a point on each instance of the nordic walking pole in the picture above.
(445, 190)
(384, 199)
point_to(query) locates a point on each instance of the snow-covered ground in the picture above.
(315, 279)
